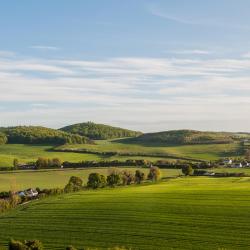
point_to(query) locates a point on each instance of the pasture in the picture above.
(29, 153)
(184, 213)
(199, 152)
(58, 178)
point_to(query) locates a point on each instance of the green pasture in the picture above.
(200, 152)
(58, 178)
(185, 213)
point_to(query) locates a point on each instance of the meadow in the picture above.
(199, 152)
(183, 213)
(20, 180)
(29, 153)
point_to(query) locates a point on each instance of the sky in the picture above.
(148, 65)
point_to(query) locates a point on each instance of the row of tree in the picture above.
(39, 135)
(114, 178)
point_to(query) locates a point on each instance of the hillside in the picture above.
(182, 137)
(99, 131)
(184, 213)
(40, 135)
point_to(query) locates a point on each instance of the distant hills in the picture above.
(39, 135)
(182, 137)
(85, 133)
(99, 131)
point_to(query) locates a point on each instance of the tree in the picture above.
(15, 163)
(56, 162)
(154, 174)
(247, 155)
(127, 177)
(25, 245)
(74, 184)
(96, 180)
(187, 170)
(114, 179)
(41, 163)
(139, 176)
(71, 248)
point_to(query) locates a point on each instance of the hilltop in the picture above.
(38, 135)
(99, 131)
(182, 137)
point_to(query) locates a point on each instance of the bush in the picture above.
(96, 180)
(187, 170)
(114, 179)
(154, 174)
(139, 176)
(25, 245)
(127, 177)
(74, 184)
(71, 248)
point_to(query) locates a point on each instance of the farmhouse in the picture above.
(228, 161)
(237, 165)
(30, 193)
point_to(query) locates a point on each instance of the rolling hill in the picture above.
(39, 135)
(99, 131)
(185, 137)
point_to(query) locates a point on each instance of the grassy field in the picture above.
(184, 213)
(58, 178)
(200, 152)
(28, 153)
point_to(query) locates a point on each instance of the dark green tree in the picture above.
(96, 180)
(139, 176)
(187, 170)
(154, 173)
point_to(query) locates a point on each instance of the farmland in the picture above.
(58, 178)
(199, 152)
(183, 213)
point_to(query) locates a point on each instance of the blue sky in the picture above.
(146, 65)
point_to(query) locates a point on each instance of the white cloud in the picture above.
(43, 47)
(6, 53)
(126, 91)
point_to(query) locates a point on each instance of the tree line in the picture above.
(39, 135)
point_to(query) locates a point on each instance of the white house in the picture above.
(228, 161)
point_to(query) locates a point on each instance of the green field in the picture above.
(200, 152)
(28, 153)
(58, 178)
(184, 213)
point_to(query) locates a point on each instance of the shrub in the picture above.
(114, 179)
(187, 170)
(127, 177)
(74, 184)
(139, 176)
(154, 174)
(96, 180)
(71, 248)
(25, 245)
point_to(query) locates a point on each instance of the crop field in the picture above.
(184, 213)
(58, 178)
(200, 152)
(28, 153)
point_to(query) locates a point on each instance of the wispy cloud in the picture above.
(191, 52)
(6, 53)
(43, 47)
(197, 21)
(129, 89)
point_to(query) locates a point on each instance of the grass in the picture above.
(58, 178)
(28, 153)
(199, 152)
(184, 213)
